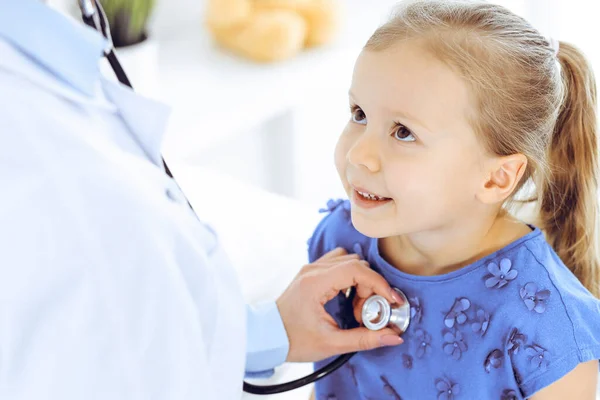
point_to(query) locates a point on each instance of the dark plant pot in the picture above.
(122, 33)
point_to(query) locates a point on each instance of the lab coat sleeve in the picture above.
(268, 343)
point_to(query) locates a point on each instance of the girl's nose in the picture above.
(365, 152)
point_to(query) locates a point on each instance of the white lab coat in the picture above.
(109, 286)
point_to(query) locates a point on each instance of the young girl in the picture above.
(458, 110)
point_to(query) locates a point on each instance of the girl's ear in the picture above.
(502, 175)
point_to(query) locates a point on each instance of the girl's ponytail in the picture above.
(569, 198)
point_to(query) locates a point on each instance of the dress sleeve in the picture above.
(562, 327)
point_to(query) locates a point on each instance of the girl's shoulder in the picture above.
(545, 275)
(336, 230)
(555, 323)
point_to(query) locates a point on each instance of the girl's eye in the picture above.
(358, 116)
(403, 134)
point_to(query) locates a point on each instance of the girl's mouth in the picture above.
(366, 199)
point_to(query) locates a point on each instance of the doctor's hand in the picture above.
(312, 332)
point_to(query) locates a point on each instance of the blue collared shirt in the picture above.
(110, 287)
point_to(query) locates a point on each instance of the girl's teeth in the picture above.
(371, 196)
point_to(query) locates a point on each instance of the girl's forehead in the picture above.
(408, 79)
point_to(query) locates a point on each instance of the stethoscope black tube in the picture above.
(98, 21)
(119, 71)
(101, 25)
(286, 387)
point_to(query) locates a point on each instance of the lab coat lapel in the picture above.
(146, 119)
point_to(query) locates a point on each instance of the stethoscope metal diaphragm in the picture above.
(377, 313)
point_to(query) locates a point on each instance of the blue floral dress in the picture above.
(503, 327)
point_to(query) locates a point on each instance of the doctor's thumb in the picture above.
(361, 339)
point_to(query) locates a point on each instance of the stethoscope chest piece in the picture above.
(378, 313)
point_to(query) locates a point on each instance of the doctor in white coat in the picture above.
(110, 287)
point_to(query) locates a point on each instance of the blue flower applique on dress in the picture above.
(447, 390)
(493, 360)
(407, 361)
(333, 204)
(423, 340)
(500, 275)
(457, 314)
(534, 299)
(416, 310)
(516, 341)
(454, 344)
(538, 356)
(481, 322)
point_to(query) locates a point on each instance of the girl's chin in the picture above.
(370, 228)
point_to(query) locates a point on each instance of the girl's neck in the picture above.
(445, 250)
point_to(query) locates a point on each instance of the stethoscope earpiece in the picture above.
(94, 16)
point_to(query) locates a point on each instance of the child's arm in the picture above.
(580, 383)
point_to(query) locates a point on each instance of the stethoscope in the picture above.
(377, 313)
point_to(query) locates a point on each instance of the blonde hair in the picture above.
(528, 100)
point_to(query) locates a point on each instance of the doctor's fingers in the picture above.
(354, 273)
(357, 305)
(327, 263)
(362, 339)
(338, 251)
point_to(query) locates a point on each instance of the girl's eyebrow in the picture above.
(402, 115)
(412, 119)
